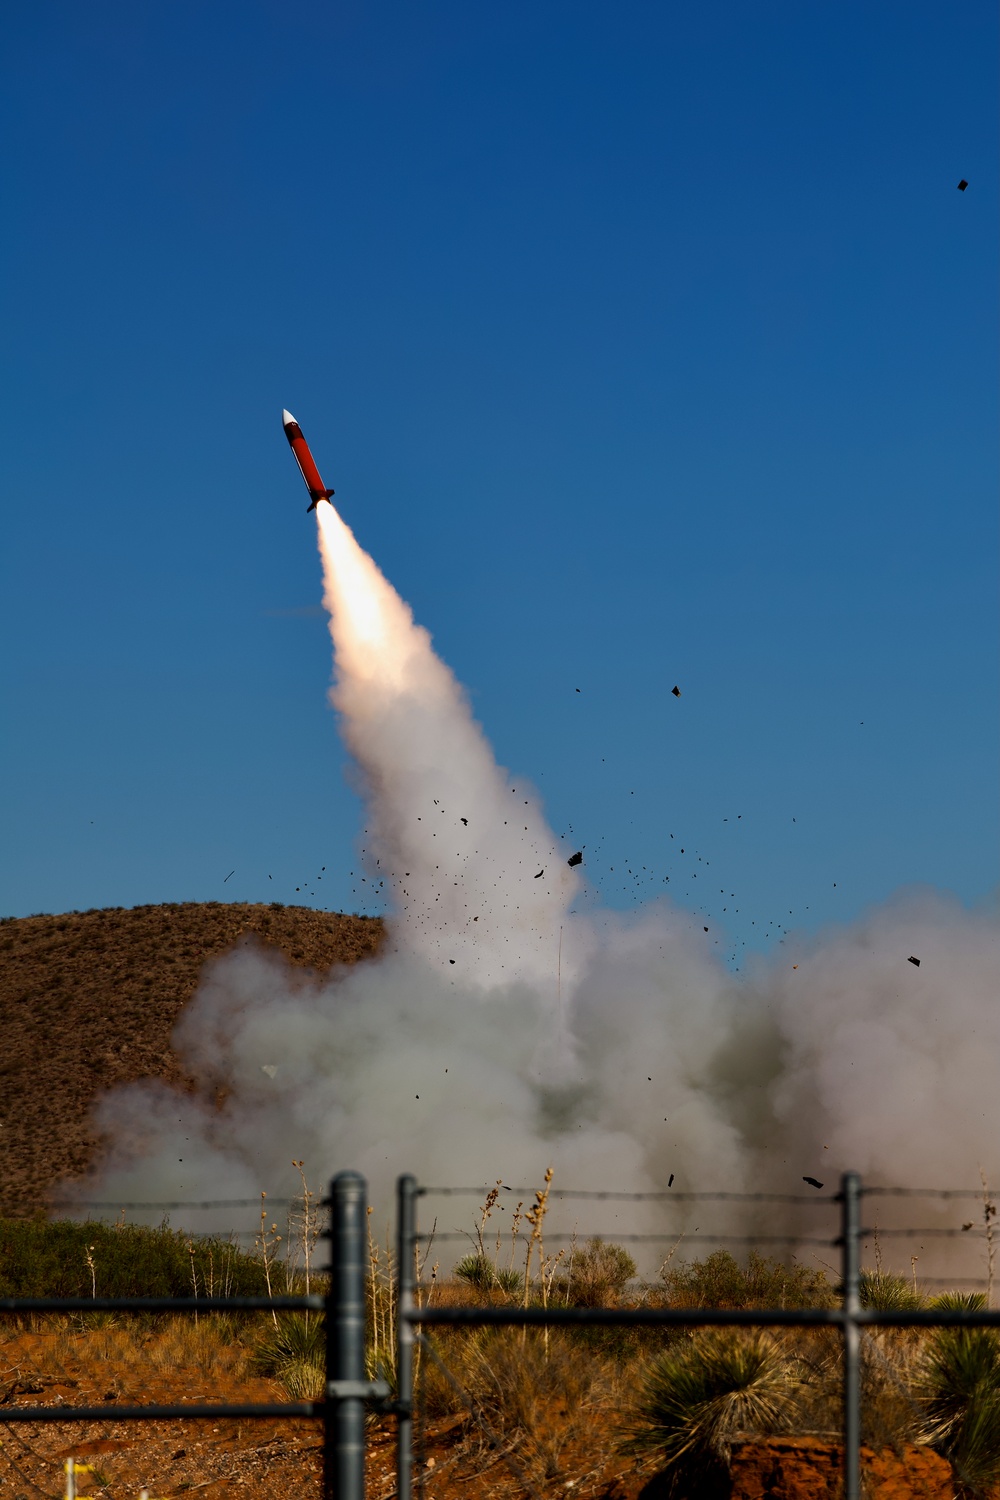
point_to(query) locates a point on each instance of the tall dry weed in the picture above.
(538, 1397)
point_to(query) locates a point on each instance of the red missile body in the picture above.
(304, 459)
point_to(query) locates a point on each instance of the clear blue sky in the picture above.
(643, 344)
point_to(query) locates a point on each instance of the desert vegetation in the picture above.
(534, 1409)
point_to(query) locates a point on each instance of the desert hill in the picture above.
(89, 999)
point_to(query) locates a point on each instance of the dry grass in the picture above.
(535, 1398)
(206, 1348)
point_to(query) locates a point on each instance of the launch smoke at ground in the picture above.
(498, 1033)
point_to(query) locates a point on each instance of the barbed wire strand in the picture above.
(595, 1195)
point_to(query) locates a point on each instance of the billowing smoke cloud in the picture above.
(498, 1033)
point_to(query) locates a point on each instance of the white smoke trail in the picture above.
(460, 845)
(451, 1055)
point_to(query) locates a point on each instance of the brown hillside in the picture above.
(89, 999)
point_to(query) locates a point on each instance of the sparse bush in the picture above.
(479, 1271)
(595, 1274)
(527, 1385)
(697, 1396)
(720, 1281)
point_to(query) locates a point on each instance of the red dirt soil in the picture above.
(563, 1450)
(809, 1468)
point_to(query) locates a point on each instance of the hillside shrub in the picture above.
(39, 1259)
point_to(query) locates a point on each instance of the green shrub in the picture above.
(720, 1281)
(39, 1259)
(697, 1396)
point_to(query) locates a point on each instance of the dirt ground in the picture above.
(267, 1458)
(458, 1457)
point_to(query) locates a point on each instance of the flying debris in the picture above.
(540, 874)
(962, 185)
(576, 859)
(912, 960)
(671, 1181)
(305, 461)
(676, 691)
(813, 1182)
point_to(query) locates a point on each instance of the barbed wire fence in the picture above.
(347, 1390)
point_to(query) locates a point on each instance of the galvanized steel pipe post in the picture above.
(344, 1427)
(850, 1202)
(406, 1248)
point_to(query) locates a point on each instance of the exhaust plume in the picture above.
(497, 1033)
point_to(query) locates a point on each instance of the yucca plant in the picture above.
(481, 1272)
(884, 1292)
(698, 1396)
(293, 1353)
(960, 1391)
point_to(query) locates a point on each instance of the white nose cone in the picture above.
(287, 420)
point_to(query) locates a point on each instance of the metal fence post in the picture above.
(344, 1424)
(406, 1199)
(850, 1197)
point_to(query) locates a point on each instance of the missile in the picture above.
(305, 461)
